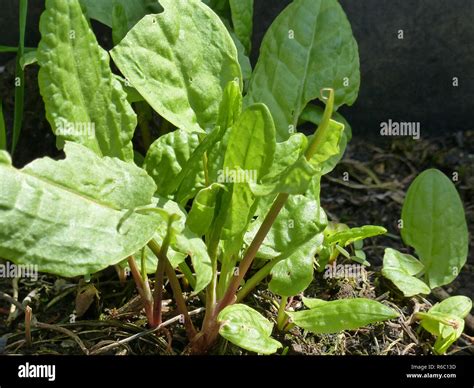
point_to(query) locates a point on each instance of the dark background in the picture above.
(403, 80)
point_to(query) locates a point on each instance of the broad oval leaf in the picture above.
(247, 328)
(93, 109)
(401, 269)
(344, 314)
(124, 186)
(435, 225)
(308, 47)
(294, 271)
(67, 230)
(180, 61)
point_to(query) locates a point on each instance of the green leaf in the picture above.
(180, 61)
(192, 245)
(349, 236)
(435, 225)
(28, 58)
(202, 212)
(167, 157)
(242, 20)
(68, 228)
(308, 47)
(312, 303)
(245, 327)
(344, 314)
(401, 269)
(134, 10)
(314, 114)
(119, 22)
(123, 187)
(298, 222)
(459, 306)
(93, 109)
(244, 60)
(249, 156)
(446, 327)
(294, 272)
(251, 145)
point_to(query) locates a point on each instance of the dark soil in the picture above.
(379, 175)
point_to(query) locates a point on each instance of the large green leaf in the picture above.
(84, 102)
(134, 10)
(242, 20)
(247, 328)
(435, 225)
(124, 186)
(298, 222)
(294, 272)
(166, 158)
(307, 48)
(344, 314)
(180, 61)
(73, 228)
(401, 269)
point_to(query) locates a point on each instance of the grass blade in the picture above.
(19, 78)
(3, 132)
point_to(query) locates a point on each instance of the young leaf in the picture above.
(294, 271)
(435, 225)
(242, 20)
(343, 314)
(192, 245)
(459, 306)
(308, 47)
(401, 269)
(247, 328)
(446, 327)
(349, 236)
(28, 58)
(70, 229)
(180, 61)
(167, 157)
(202, 212)
(93, 109)
(314, 115)
(250, 152)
